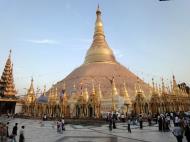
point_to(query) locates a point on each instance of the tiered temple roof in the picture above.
(7, 87)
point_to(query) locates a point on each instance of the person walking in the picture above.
(63, 124)
(129, 125)
(3, 135)
(7, 129)
(21, 136)
(159, 123)
(110, 122)
(114, 120)
(149, 120)
(141, 122)
(176, 120)
(14, 132)
(178, 132)
(187, 133)
(59, 127)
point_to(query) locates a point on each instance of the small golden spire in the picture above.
(171, 86)
(157, 90)
(50, 95)
(174, 82)
(114, 89)
(86, 94)
(10, 51)
(126, 95)
(163, 86)
(44, 93)
(125, 90)
(99, 91)
(93, 88)
(31, 89)
(160, 89)
(153, 85)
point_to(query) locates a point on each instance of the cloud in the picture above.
(44, 41)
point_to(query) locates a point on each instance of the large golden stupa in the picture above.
(99, 67)
(102, 85)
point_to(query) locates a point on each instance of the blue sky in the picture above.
(49, 38)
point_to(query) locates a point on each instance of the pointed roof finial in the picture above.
(10, 51)
(99, 45)
(86, 94)
(174, 82)
(93, 89)
(163, 86)
(99, 91)
(32, 80)
(31, 89)
(98, 10)
(44, 93)
(114, 89)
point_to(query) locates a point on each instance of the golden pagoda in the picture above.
(101, 66)
(7, 88)
(121, 90)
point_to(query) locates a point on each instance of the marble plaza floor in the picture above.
(35, 131)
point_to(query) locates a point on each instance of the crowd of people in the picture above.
(5, 136)
(61, 126)
(164, 123)
(180, 121)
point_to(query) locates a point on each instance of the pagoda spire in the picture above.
(31, 93)
(126, 95)
(31, 89)
(86, 94)
(163, 87)
(44, 93)
(114, 89)
(153, 86)
(99, 91)
(99, 50)
(99, 30)
(174, 82)
(93, 88)
(7, 87)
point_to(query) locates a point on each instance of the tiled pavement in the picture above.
(35, 131)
